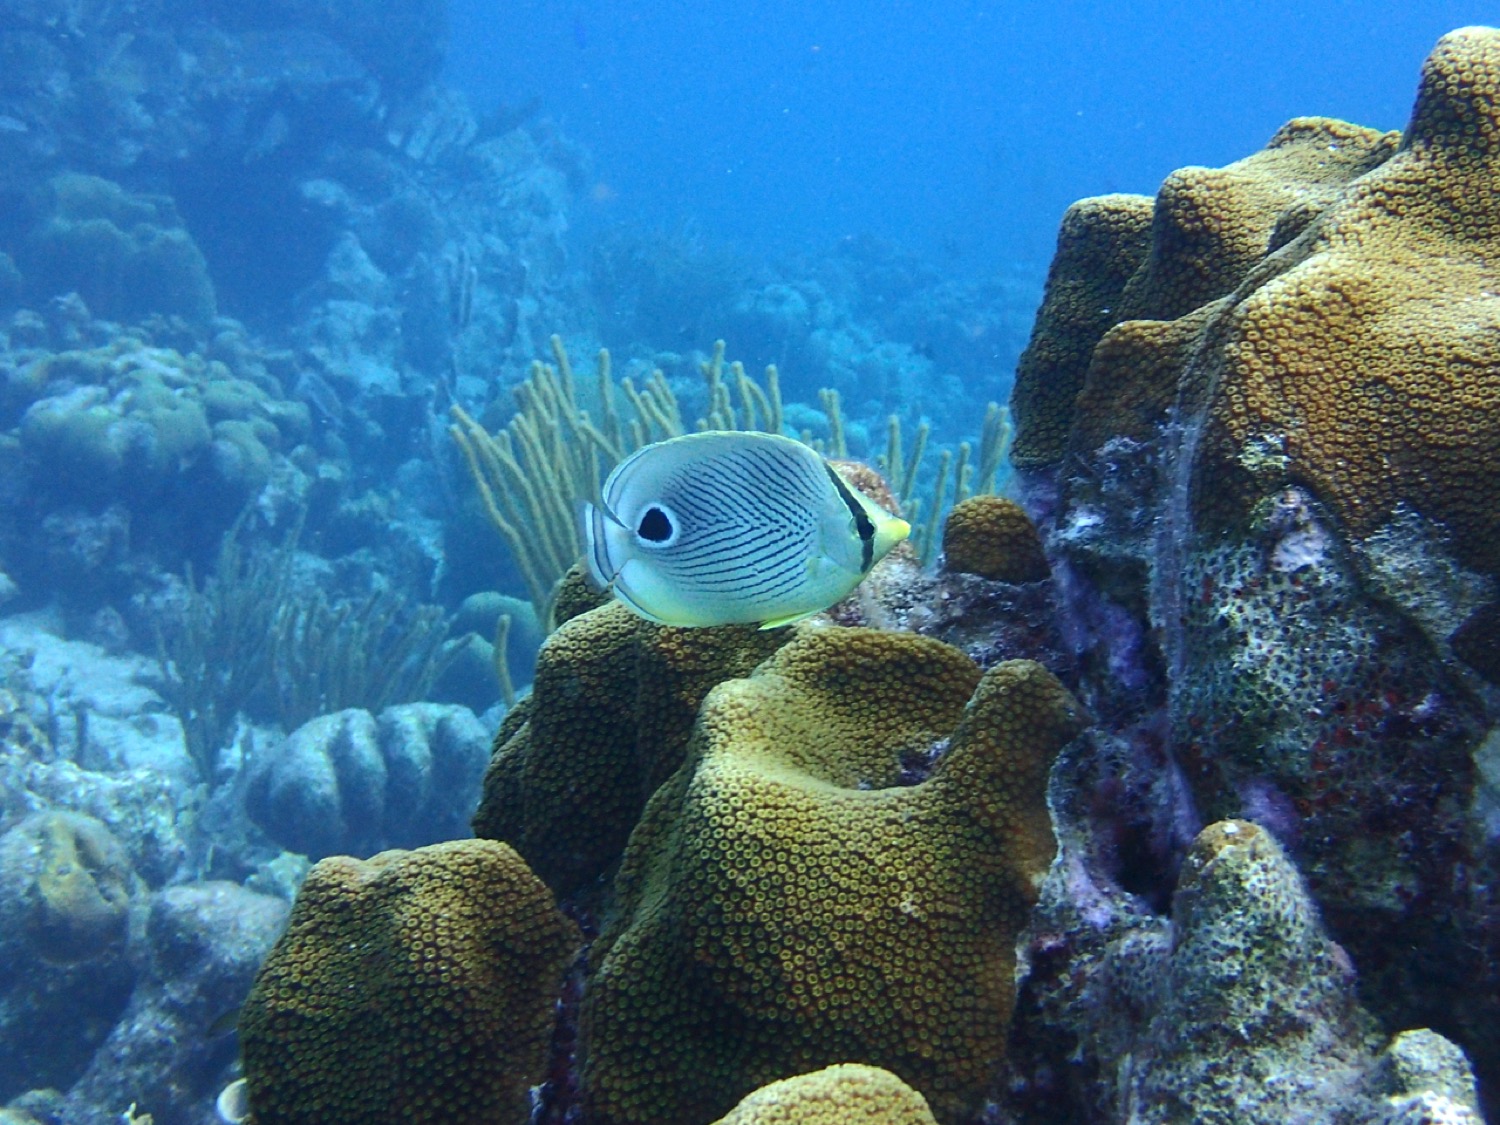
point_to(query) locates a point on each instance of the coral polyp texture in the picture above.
(846, 1094)
(1368, 353)
(994, 538)
(414, 986)
(787, 903)
(1276, 478)
(611, 709)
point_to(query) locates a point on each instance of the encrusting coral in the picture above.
(415, 986)
(795, 897)
(1242, 1010)
(844, 1094)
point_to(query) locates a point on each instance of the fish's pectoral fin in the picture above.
(778, 622)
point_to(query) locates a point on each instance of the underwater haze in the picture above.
(962, 130)
(582, 563)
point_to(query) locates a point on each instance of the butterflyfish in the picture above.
(725, 528)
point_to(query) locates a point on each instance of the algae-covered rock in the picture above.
(199, 947)
(66, 889)
(1238, 1009)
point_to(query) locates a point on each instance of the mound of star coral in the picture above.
(846, 1094)
(1277, 466)
(994, 538)
(608, 720)
(787, 903)
(415, 986)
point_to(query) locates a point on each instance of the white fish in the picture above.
(724, 528)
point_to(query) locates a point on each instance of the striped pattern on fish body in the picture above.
(723, 528)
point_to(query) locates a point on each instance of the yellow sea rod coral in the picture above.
(847, 1094)
(786, 903)
(415, 986)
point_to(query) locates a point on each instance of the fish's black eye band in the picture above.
(862, 522)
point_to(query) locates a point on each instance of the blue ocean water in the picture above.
(260, 263)
(961, 129)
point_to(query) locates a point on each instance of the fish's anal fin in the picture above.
(778, 622)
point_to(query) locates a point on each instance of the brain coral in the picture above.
(846, 1094)
(415, 986)
(608, 720)
(786, 904)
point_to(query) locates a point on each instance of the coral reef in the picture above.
(1239, 1009)
(609, 718)
(787, 902)
(125, 254)
(415, 985)
(1260, 479)
(994, 538)
(848, 1092)
(351, 781)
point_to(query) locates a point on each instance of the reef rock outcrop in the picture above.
(1260, 415)
(1238, 1009)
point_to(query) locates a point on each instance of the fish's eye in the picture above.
(655, 526)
